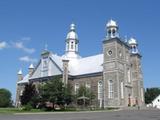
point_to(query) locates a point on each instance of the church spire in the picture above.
(72, 42)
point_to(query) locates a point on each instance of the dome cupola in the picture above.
(111, 23)
(132, 41)
(112, 29)
(133, 45)
(72, 43)
(72, 34)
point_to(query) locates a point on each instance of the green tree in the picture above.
(151, 94)
(29, 95)
(55, 92)
(86, 93)
(68, 96)
(5, 98)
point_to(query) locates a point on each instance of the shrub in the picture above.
(27, 107)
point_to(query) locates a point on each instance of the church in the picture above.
(115, 76)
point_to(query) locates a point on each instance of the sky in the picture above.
(26, 26)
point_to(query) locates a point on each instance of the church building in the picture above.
(115, 75)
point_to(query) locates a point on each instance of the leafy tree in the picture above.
(86, 93)
(151, 94)
(29, 95)
(5, 98)
(55, 92)
(68, 96)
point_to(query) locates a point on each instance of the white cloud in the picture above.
(28, 59)
(3, 45)
(20, 45)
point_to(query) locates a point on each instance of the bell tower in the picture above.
(134, 46)
(110, 65)
(136, 72)
(117, 87)
(112, 29)
(72, 43)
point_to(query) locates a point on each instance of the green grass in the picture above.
(9, 110)
(16, 110)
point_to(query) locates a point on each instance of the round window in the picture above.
(110, 52)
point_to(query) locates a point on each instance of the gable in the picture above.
(46, 67)
(54, 69)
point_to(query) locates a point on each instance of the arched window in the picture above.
(122, 90)
(129, 75)
(21, 92)
(76, 87)
(109, 31)
(100, 89)
(142, 95)
(71, 45)
(110, 89)
(113, 32)
(88, 85)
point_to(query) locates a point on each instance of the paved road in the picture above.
(114, 115)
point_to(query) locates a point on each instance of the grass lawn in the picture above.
(15, 110)
(18, 110)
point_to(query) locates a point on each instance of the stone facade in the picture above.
(137, 79)
(89, 81)
(122, 73)
(115, 70)
(118, 81)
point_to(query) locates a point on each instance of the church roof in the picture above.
(55, 67)
(51, 64)
(79, 66)
(87, 65)
(58, 60)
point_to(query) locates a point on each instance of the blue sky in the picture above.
(27, 25)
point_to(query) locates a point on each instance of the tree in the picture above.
(68, 96)
(86, 93)
(29, 95)
(151, 94)
(5, 98)
(55, 92)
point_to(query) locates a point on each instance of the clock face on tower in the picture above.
(110, 52)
